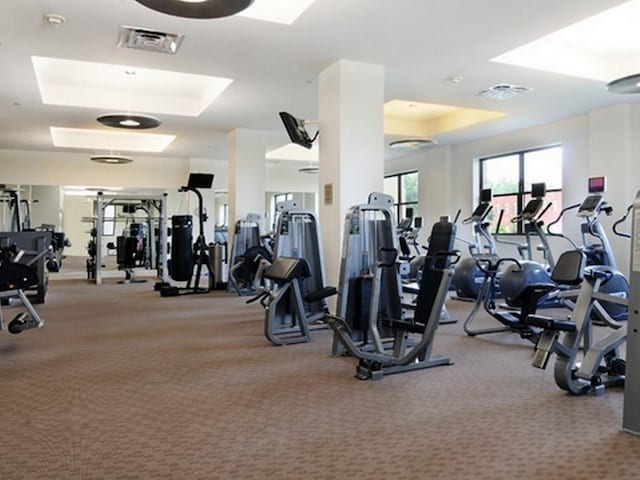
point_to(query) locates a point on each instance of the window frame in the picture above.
(521, 193)
(399, 205)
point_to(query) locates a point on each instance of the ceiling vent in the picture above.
(502, 91)
(149, 40)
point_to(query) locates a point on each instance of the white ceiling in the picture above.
(421, 43)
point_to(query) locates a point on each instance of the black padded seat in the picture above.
(569, 269)
(285, 269)
(324, 292)
(438, 259)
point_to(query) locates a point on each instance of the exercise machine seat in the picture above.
(569, 269)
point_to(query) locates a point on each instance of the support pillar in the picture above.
(247, 173)
(351, 111)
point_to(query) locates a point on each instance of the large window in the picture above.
(404, 189)
(510, 177)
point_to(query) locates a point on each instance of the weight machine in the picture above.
(370, 323)
(631, 414)
(154, 240)
(292, 304)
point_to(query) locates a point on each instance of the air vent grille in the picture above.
(149, 40)
(502, 91)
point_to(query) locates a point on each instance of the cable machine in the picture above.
(159, 203)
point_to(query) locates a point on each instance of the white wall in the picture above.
(601, 142)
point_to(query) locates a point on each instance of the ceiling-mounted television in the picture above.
(296, 131)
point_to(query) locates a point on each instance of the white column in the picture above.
(351, 111)
(610, 143)
(246, 174)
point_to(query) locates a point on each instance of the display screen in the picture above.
(597, 184)
(590, 203)
(538, 189)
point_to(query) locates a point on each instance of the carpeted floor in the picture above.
(124, 384)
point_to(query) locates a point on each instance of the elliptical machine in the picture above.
(468, 277)
(515, 278)
(597, 249)
(601, 364)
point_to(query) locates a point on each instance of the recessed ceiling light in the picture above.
(281, 11)
(111, 159)
(625, 85)
(54, 19)
(412, 144)
(109, 140)
(197, 8)
(125, 88)
(600, 47)
(133, 121)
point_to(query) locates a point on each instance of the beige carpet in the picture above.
(124, 384)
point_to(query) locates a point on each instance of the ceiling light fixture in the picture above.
(502, 91)
(134, 121)
(111, 159)
(197, 8)
(54, 19)
(309, 170)
(625, 85)
(412, 144)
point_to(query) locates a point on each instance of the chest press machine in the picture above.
(369, 323)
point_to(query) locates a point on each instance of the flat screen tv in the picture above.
(200, 180)
(296, 131)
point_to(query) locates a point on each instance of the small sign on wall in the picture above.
(328, 193)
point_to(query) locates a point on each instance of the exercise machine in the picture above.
(631, 414)
(36, 253)
(515, 278)
(155, 245)
(249, 257)
(387, 344)
(369, 323)
(600, 365)
(15, 278)
(131, 251)
(468, 278)
(295, 300)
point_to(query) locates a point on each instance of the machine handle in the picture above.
(621, 221)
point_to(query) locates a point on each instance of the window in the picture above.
(275, 200)
(403, 187)
(510, 177)
(109, 221)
